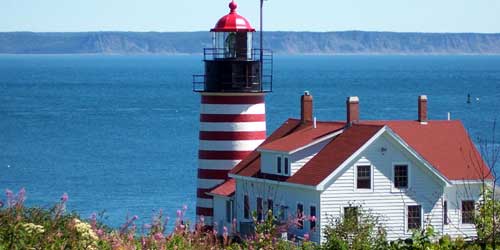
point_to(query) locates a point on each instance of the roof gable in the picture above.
(446, 145)
(334, 154)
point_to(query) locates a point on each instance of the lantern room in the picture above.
(232, 64)
(232, 36)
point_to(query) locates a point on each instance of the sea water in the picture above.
(119, 134)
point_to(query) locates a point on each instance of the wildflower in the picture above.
(306, 237)
(64, 197)
(313, 218)
(87, 234)
(224, 233)
(179, 214)
(100, 232)
(10, 197)
(184, 207)
(158, 236)
(33, 228)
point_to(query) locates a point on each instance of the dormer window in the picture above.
(287, 166)
(278, 164)
(282, 165)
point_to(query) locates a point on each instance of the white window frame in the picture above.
(342, 210)
(393, 175)
(317, 213)
(279, 159)
(257, 207)
(266, 206)
(287, 166)
(407, 229)
(355, 186)
(295, 215)
(249, 207)
(231, 210)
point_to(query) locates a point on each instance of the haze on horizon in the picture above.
(479, 16)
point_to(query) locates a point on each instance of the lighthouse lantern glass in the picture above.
(232, 45)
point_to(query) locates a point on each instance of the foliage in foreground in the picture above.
(37, 228)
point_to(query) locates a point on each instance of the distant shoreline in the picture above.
(282, 43)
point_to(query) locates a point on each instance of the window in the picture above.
(300, 216)
(246, 207)
(414, 217)
(312, 219)
(229, 211)
(467, 212)
(259, 209)
(401, 176)
(270, 206)
(445, 212)
(286, 166)
(282, 213)
(279, 164)
(364, 177)
(351, 214)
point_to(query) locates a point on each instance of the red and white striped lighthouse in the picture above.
(232, 114)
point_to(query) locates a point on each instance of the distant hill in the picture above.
(347, 42)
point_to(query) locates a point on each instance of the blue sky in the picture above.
(291, 15)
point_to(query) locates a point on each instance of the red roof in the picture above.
(225, 189)
(303, 137)
(334, 154)
(233, 22)
(444, 144)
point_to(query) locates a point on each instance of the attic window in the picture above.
(364, 177)
(401, 176)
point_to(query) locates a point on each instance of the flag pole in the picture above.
(261, 46)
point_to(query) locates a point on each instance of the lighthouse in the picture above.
(232, 110)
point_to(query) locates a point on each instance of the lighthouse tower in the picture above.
(232, 114)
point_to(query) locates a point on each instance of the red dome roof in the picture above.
(233, 22)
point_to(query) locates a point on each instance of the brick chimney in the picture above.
(352, 104)
(422, 109)
(306, 107)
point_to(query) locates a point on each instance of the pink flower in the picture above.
(64, 197)
(135, 217)
(184, 207)
(306, 237)
(313, 218)
(158, 236)
(100, 232)
(179, 213)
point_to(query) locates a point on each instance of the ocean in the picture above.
(119, 133)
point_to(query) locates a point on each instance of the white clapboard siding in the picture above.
(383, 200)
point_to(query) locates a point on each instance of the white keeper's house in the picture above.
(409, 173)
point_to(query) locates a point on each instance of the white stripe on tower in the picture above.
(231, 127)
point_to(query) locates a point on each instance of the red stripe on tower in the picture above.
(231, 127)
